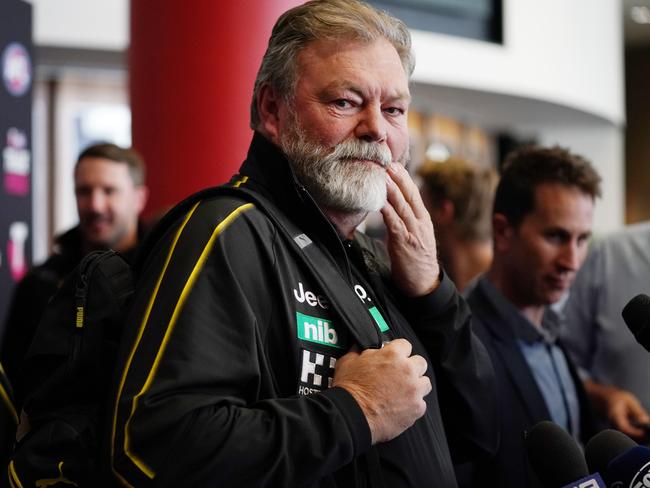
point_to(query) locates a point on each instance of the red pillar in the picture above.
(192, 68)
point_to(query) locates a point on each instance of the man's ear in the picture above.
(269, 105)
(141, 197)
(444, 213)
(502, 232)
(441, 214)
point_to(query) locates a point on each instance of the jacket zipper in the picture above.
(341, 245)
(348, 267)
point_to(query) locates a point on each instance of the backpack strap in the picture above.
(114, 286)
(324, 270)
(326, 273)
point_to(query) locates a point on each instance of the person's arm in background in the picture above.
(621, 408)
(580, 336)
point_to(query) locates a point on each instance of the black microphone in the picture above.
(637, 317)
(622, 461)
(605, 446)
(557, 459)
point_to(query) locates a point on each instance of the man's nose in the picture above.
(372, 124)
(97, 201)
(571, 256)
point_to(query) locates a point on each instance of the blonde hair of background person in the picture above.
(459, 195)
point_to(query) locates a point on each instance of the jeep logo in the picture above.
(310, 298)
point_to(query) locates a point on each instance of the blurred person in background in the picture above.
(110, 193)
(614, 367)
(459, 196)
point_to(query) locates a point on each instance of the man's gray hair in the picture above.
(317, 20)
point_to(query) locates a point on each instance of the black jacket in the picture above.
(521, 403)
(30, 298)
(230, 348)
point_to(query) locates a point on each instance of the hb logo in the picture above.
(316, 372)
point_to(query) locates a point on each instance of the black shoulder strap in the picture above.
(325, 272)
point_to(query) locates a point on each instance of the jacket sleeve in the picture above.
(198, 403)
(463, 370)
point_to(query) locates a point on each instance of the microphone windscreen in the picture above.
(637, 317)
(554, 455)
(605, 446)
(632, 468)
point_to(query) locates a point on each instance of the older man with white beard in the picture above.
(295, 351)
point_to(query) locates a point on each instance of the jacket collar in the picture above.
(511, 316)
(267, 171)
(498, 325)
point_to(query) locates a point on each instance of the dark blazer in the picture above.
(521, 404)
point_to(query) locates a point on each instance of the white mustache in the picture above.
(354, 149)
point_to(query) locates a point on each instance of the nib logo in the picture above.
(314, 329)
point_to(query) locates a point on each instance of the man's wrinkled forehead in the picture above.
(396, 94)
(341, 77)
(334, 42)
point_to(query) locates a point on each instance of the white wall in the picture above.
(87, 24)
(568, 52)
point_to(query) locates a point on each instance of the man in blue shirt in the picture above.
(542, 220)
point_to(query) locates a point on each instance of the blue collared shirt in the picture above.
(546, 361)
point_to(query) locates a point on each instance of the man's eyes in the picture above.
(556, 237)
(563, 237)
(342, 103)
(394, 111)
(85, 192)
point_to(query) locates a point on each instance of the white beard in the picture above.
(338, 178)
